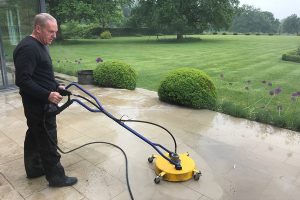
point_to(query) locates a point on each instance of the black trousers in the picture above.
(40, 154)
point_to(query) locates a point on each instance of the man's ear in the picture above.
(38, 28)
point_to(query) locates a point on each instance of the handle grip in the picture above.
(53, 109)
(64, 92)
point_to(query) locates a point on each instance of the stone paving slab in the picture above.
(239, 159)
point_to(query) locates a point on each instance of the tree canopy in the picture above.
(169, 16)
(291, 24)
(182, 16)
(251, 19)
(102, 12)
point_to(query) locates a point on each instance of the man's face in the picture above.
(47, 33)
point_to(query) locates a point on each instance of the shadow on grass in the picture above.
(176, 41)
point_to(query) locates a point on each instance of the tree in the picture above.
(251, 19)
(182, 16)
(291, 24)
(53, 9)
(103, 12)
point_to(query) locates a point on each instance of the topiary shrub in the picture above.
(116, 75)
(188, 87)
(105, 35)
(293, 56)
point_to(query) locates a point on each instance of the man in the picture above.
(38, 89)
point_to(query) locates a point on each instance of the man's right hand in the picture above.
(63, 92)
(55, 97)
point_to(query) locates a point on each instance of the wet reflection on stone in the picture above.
(239, 159)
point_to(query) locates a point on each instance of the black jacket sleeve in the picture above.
(25, 62)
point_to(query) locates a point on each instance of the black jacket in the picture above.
(34, 70)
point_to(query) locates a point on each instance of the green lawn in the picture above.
(244, 61)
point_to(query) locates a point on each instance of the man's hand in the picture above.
(62, 91)
(55, 97)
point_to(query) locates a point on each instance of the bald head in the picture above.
(42, 18)
(45, 28)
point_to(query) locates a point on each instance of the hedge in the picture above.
(115, 74)
(188, 87)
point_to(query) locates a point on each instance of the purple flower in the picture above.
(277, 90)
(99, 60)
(295, 94)
(271, 92)
(298, 93)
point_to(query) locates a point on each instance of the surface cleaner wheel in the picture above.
(169, 171)
(150, 159)
(157, 179)
(196, 176)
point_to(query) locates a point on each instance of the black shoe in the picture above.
(62, 182)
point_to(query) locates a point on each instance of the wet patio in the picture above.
(239, 159)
